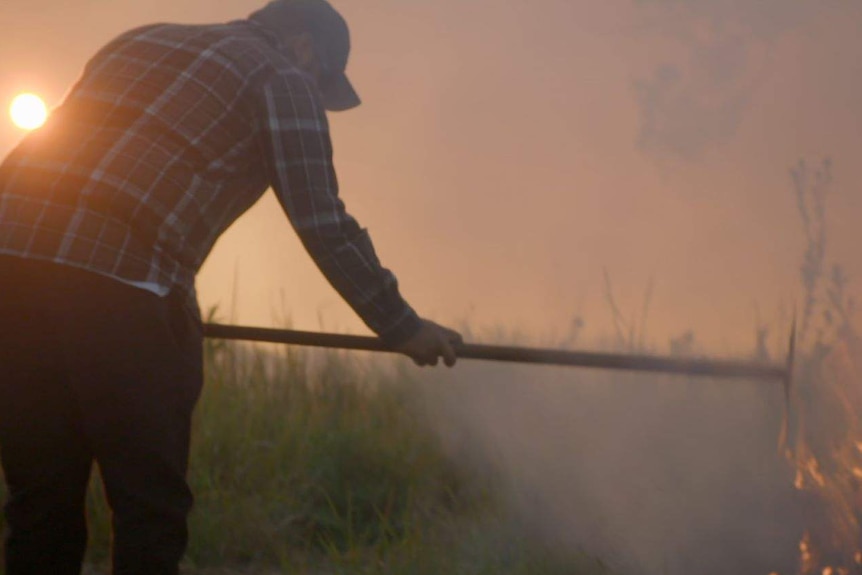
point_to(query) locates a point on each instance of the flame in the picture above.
(807, 556)
(828, 459)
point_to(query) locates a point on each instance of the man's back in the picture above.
(151, 156)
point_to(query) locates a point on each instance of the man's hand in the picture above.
(430, 343)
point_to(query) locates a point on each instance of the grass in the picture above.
(320, 463)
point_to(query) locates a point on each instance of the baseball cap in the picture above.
(331, 39)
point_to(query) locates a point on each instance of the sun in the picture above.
(28, 111)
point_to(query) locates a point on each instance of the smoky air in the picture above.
(662, 177)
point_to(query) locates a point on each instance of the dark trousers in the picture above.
(92, 369)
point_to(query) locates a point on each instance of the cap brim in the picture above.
(340, 95)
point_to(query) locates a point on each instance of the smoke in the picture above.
(722, 51)
(674, 475)
(652, 475)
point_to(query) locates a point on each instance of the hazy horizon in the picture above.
(507, 154)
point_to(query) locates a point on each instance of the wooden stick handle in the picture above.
(689, 366)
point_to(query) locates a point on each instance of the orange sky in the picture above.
(508, 152)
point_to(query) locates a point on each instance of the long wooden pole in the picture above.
(645, 363)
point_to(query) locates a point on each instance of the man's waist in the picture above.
(185, 290)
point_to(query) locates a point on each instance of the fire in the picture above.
(825, 444)
(828, 460)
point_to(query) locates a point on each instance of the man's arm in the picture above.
(298, 152)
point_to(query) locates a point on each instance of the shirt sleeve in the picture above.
(298, 154)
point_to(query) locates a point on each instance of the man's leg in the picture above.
(137, 373)
(47, 471)
(45, 460)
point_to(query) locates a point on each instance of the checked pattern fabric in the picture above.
(170, 134)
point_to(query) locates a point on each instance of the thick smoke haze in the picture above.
(507, 154)
(516, 161)
(724, 52)
(655, 475)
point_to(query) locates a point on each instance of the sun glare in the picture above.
(28, 111)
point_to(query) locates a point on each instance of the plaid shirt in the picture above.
(171, 133)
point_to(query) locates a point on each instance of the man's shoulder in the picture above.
(235, 35)
(243, 49)
(232, 44)
(176, 33)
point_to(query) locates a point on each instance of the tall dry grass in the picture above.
(308, 462)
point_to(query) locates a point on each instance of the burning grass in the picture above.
(825, 443)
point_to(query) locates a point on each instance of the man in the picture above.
(107, 213)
